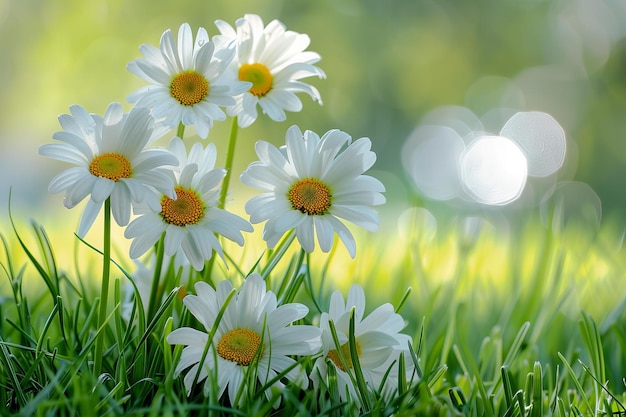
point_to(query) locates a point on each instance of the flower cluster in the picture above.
(254, 330)
(309, 187)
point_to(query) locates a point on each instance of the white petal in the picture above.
(264, 206)
(337, 306)
(304, 233)
(344, 234)
(273, 109)
(63, 152)
(356, 299)
(325, 232)
(89, 216)
(296, 340)
(66, 178)
(185, 45)
(187, 336)
(173, 238)
(286, 314)
(362, 216)
(296, 151)
(289, 220)
(153, 158)
(79, 190)
(102, 189)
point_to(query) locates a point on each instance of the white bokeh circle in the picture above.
(493, 170)
(542, 139)
(431, 157)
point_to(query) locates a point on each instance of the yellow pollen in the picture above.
(259, 76)
(187, 209)
(111, 165)
(310, 196)
(189, 88)
(333, 355)
(240, 346)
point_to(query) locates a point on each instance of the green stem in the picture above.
(181, 130)
(276, 254)
(155, 296)
(104, 292)
(229, 162)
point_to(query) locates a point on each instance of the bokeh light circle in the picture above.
(542, 139)
(417, 224)
(431, 157)
(493, 170)
(572, 203)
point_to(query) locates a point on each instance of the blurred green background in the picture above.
(388, 64)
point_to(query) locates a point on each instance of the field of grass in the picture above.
(511, 310)
(529, 323)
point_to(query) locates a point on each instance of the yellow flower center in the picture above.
(333, 355)
(240, 346)
(189, 88)
(310, 196)
(111, 165)
(187, 209)
(259, 76)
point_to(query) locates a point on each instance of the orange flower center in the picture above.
(187, 209)
(240, 346)
(310, 196)
(189, 88)
(333, 355)
(111, 165)
(259, 76)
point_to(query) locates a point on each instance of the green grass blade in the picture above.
(17, 386)
(537, 392)
(576, 381)
(506, 383)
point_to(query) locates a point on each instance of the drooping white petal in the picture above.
(89, 216)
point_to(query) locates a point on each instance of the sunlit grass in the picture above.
(528, 322)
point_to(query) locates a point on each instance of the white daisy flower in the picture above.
(274, 60)
(191, 219)
(111, 161)
(378, 344)
(309, 184)
(189, 80)
(254, 331)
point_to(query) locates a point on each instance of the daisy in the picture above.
(111, 161)
(309, 185)
(378, 344)
(190, 219)
(274, 60)
(254, 331)
(189, 80)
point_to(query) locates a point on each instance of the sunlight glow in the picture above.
(493, 170)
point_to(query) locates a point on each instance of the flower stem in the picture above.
(276, 255)
(104, 292)
(229, 162)
(181, 130)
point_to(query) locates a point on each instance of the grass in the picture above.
(532, 323)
